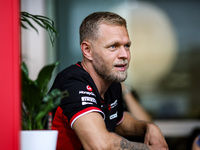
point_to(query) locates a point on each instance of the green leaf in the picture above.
(44, 77)
(24, 69)
(51, 101)
(43, 21)
(31, 95)
(54, 94)
(29, 23)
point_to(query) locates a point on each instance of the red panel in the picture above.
(10, 75)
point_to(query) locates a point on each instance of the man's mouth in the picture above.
(121, 67)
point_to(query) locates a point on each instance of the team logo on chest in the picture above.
(112, 105)
(89, 88)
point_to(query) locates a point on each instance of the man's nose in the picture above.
(123, 52)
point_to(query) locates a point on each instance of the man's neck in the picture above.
(100, 83)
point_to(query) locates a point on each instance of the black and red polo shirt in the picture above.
(83, 98)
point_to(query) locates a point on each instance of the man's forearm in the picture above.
(121, 143)
(131, 126)
(124, 144)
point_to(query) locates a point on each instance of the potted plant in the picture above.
(37, 102)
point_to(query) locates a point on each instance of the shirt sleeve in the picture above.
(81, 100)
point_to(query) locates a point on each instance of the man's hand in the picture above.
(154, 138)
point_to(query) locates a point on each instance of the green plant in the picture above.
(36, 101)
(43, 21)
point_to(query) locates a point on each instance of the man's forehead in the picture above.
(106, 30)
(116, 32)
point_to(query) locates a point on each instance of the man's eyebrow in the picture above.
(117, 43)
(112, 43)
(129, 42)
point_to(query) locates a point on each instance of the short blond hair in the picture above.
(89, 27)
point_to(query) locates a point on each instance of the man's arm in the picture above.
(93, 134)
(130, 126)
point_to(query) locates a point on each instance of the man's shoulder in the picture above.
(73, 74)
(74, 70)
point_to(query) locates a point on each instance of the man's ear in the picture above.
(86, 50)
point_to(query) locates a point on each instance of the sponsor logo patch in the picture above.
(87, 93)
(114, 104)
(113, 116)
(87, 103)
(88, 100)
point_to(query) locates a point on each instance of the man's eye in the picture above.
(127, 46)
(112, 46)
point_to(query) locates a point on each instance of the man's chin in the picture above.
(121, 78)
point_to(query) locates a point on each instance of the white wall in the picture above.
(33, 44)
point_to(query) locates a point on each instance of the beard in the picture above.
(108, 74)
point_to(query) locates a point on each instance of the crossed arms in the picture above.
(93, 134)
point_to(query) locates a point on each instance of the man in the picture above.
(92, 117)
